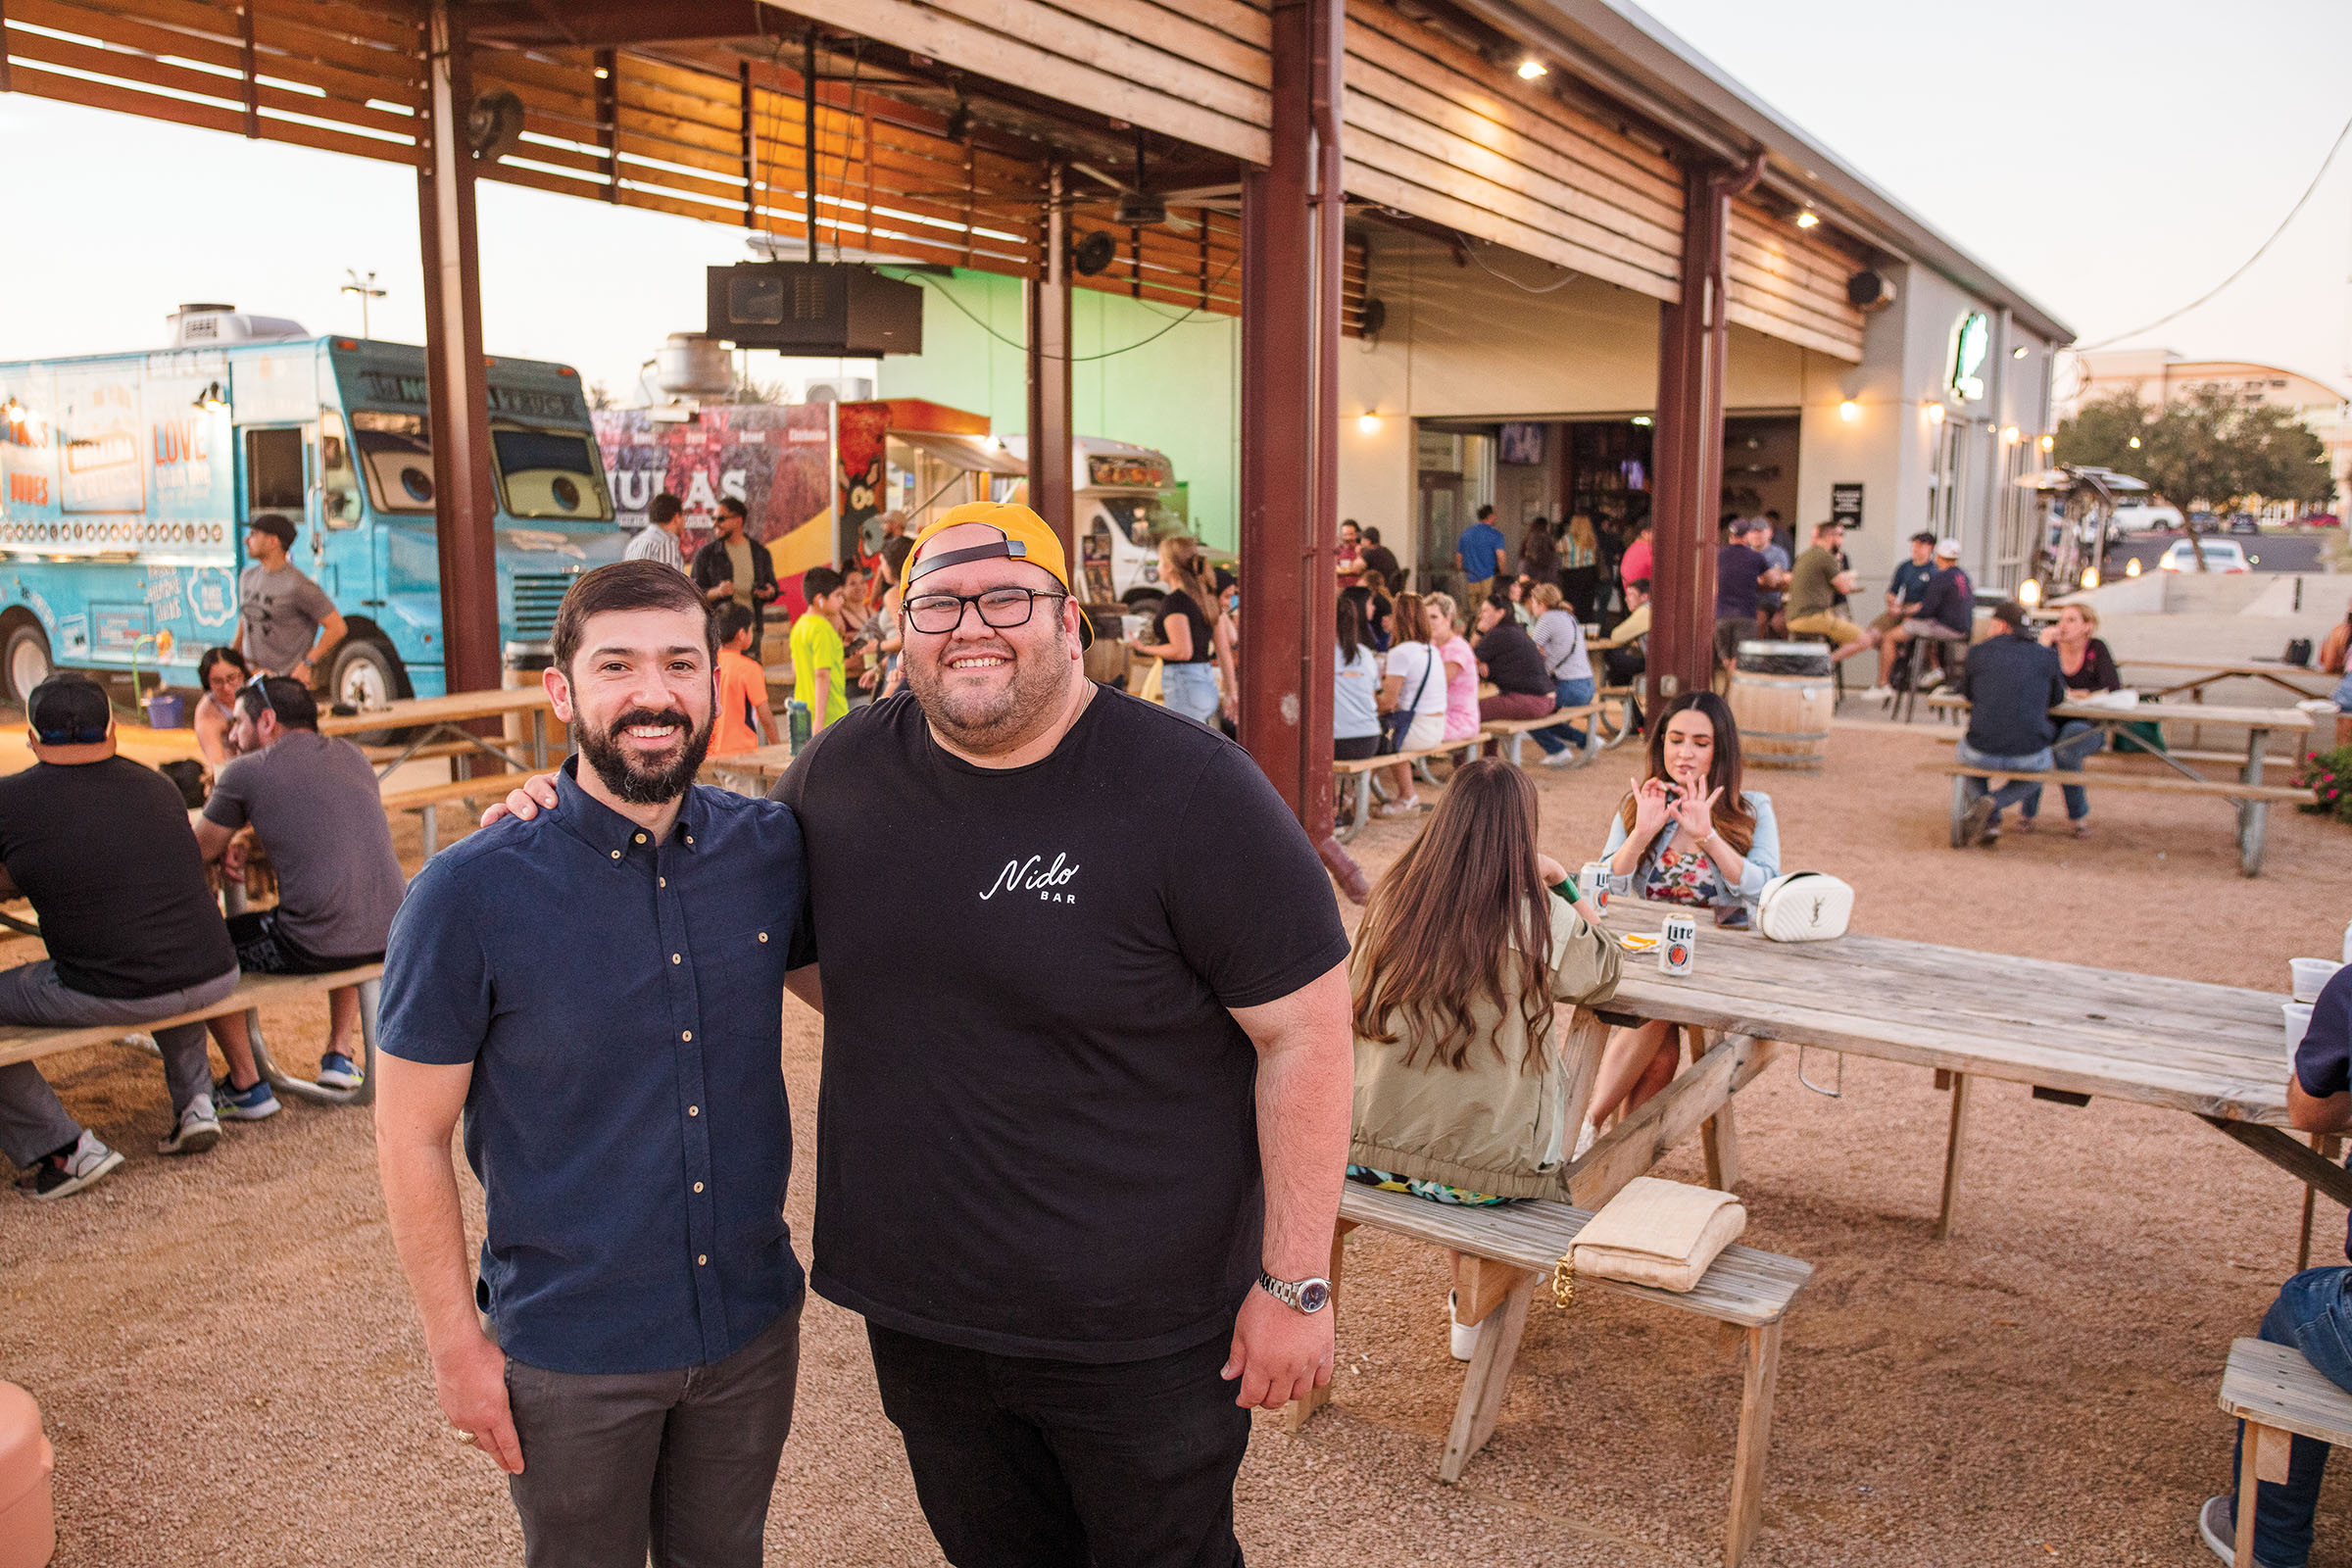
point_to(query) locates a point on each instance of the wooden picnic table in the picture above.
(749, 772)
(2258, 722)
(2067, 1030)
(438, 719)
(2203, 673)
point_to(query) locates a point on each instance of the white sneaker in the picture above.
(1567, 758)
(199, 1129)
(1464, 1343)
(1585, 1137)
(88, 1161)
(1878, 694)
(1929, 681)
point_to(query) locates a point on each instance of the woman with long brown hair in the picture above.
(1412, 702)
(1688, 833)
(1184, 632)
(1460, 968)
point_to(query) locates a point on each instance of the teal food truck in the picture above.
(127, 482)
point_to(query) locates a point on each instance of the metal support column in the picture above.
(464, 510)
(1047, 299)
(1694, 340)
(1292, 214)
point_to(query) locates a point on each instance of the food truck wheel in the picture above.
(366, 673)
(26, 658)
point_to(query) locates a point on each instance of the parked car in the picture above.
(2318, 519)
(2221, 555)
(2143, 516)
(2244, 522)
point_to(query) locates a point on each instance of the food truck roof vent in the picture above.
(198, 325)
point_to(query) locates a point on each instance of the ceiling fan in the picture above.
(1140, 207)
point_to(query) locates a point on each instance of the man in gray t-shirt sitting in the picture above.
(313, 800)
(285, 623)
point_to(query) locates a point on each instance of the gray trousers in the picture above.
(32, 1121)
(680, 1462)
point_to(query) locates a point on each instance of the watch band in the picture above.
(1311, 1294)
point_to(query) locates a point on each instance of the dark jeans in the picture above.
(1566, 694)
(2012, 792)
(681, 1463)
(2313, 1314)
(2075, 741)
(1025, 1463)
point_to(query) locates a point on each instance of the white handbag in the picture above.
(1804, 907)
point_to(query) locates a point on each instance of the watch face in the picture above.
(1313, 1296)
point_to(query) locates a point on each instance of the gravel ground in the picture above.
(232, 1371)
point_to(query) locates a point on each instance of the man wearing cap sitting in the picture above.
(1083, 1137)
(285, 623)
(1947, 615)
(100, 847)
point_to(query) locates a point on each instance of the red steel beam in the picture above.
(1693, 343)
(1046, 297)
(1291, 242)
(465, 509)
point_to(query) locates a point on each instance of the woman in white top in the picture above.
(1355, 690)
(220, 672)
(1412, 694)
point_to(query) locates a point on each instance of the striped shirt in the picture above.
(655, 544)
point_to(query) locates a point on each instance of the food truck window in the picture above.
(396, 453)
(550, 473)
(273, 470)
(338, 483)
(1137, 517)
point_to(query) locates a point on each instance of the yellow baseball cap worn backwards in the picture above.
(1024, 538)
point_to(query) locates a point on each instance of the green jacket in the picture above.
(1499, 1124)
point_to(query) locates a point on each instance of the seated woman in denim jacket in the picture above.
(1687, 834)
(1460, 968)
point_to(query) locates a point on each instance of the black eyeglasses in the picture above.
(1001, 607)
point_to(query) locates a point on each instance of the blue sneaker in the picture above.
(244, 1104)
(338, 1071)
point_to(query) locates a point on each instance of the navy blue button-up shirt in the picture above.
(621, 1002)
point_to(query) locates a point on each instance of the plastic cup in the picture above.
(2297, 1018)
(2311, 974)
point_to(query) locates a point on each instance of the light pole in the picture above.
(367, 291)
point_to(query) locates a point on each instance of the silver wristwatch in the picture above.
(1300, 1296)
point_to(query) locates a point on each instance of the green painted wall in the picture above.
(1178, 391)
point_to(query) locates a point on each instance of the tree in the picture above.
(2205, 450)
(600, 395)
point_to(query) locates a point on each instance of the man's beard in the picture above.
(635, 781)
(982, 721)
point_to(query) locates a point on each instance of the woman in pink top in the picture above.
(1461, 665)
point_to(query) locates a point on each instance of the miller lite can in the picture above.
(1674, 941)
(1593, 883)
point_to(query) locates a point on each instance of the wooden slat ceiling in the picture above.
(909, 168)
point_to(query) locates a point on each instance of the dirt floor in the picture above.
(232, 1371)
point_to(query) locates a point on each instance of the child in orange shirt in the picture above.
(743, 720)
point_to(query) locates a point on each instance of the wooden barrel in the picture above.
(1784, 720)
(1784, 658)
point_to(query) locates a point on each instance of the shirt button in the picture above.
(685, 1034)
(694, 1111)
(641, 838)
(698, 1187)
(763, 936)
(661, 881)
(702, 1258)
(690, 838)
(617, 854)
(674, 958)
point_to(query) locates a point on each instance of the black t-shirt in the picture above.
(105, 853)
(1514, 664)
(1737, 589)
(1036, 1132)
(1383, 559)
(1179, 604)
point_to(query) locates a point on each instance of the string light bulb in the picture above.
(1934, 413)
(2132, 568)
(1808, 218)
(2047, 442)
(2090, 577)
(2009, 435)
(2133, 443)
(2029, 593)
(1531, 67)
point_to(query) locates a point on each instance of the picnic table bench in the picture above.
(29, 1041)
(1624, 697)
(1363, 768)
(2281, 1397)
(2251, 798)
(436, 726)
(1516, 730)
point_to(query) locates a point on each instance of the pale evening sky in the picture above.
(2111, 159)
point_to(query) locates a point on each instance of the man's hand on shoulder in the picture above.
(1279, 1353)
(525, 801)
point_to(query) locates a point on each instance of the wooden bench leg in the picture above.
(1297, 1412)
(2263, 1455)
(1481, 1403)
(1954, 1152)
(1755, 1438)
(428, 822)
(1719, 1140)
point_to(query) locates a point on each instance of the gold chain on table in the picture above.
(1563, 1281)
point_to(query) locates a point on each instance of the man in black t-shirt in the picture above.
(1509, 658)
(100, 845)
(1083, 1134)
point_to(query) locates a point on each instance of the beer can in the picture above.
(1674, 941)
(1593, 883)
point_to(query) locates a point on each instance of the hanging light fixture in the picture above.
(1849, 410)
(2132, 568)
(1808, 218)
(1368, 422)
(1531, 67)
(2029, 593)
